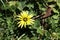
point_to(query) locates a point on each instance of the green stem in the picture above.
(2, 3)
(21, 36)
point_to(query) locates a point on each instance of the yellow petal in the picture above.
(30, 16)
(29, 22)
(22, 22)
(25, 24)
(19, 25)
(24, 14)
(32, 20)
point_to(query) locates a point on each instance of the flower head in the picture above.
(25, 19)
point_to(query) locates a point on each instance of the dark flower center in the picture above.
(25, 19)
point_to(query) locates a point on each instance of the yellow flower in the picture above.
(25, 19)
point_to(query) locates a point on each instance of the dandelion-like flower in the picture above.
(25, 19)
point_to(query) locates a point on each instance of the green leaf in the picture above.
(0, 14)
(43, 9)
(40, 30)
(30, 6)
(55, 11)
(50, 0)
(12, 3)
(56, 21)
(1, 20)
(35, 26)
(34, 38)
(58, 3)
(8, 21)
(47, 34)
(55, 16)
(20, 5)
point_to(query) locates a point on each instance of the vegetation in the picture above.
(45, 27)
